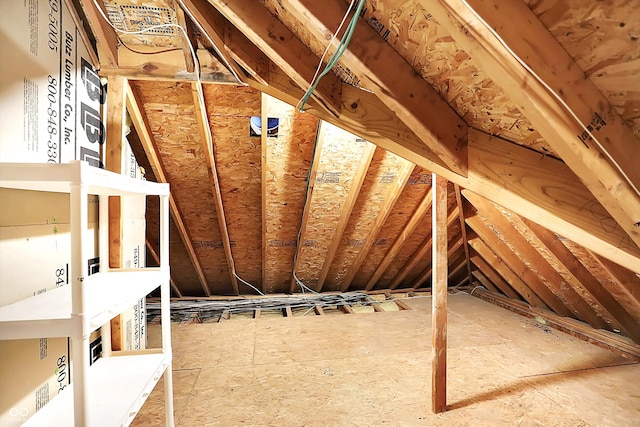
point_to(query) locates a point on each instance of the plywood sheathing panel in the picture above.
(288, 160)
(170, 111)
(181, 266)
(381, 176)
(339, 161)
(416, 188)
(238, 160)
(135, 15)
(602, 37)
(434, 55)
(415, 242)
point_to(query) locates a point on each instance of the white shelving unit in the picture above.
(113, 389)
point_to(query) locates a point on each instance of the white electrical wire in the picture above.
(326, 50)
(553, 92)
(223, 57)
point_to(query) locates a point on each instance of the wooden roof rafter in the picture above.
(211, 23)
(492, 276)
(503, 268)
(347, 208)
(552, 91)
(204, 129)
(106, 36)
(139, 121)
(393, 81)
(409, 227)
(282, 47)
(383, 214)
(552, 285)
(305, 212)
(605, 300)
(189, 40)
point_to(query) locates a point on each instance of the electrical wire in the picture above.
(326, 50)
(140, 52)
(342, 47)
(223, 57)
(553, 92)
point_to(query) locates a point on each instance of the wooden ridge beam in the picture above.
(552, 92)
(564, 291)
(408, 229)
(207, 144)
(315, 162)
(493, 277)
(282, 47)
(105, 35)
(347, 208)
(389, 202)
(503, 267)
(615, 311)
(394, 81)
(141, 124)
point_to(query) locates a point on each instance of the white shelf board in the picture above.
(59, 177)
(117, 388)
(107, 294)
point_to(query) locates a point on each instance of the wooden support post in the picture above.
(439, 296)
(114, 162)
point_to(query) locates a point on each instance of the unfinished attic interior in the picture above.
(377, 211)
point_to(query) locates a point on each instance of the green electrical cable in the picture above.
(342, 47)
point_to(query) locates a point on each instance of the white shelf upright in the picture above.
(113, 389)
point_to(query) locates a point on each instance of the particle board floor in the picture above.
(374, 369)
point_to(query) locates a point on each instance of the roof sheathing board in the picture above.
(135, 15)
(287, 159)
(382, 176)
(416, 188)
(238, 161)
(171, 115)
(602, 37)
(340, 158)
(434, 54)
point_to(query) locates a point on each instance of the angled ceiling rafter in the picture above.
(282, 47)
(204, 129)
(393, 80)
(347, 208)
(406, 231)
(552, 92)
(141, 124)
(541, 275)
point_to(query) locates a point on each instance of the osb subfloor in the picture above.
(374, 369)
